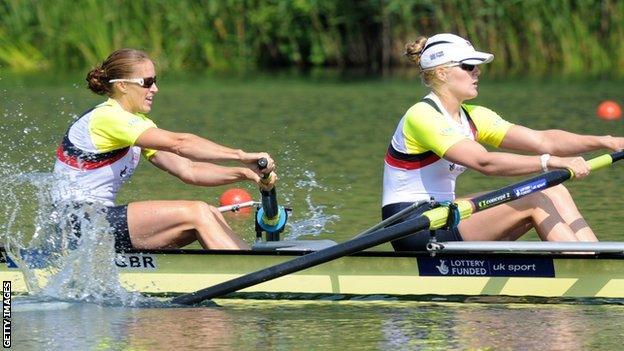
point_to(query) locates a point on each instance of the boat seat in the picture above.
(292, 245)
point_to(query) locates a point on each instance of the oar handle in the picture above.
(605, 160)
(262, 164)
(269, 197)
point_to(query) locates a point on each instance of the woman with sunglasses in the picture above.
(101, 150)
(440, 136)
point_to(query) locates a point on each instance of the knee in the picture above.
(193, 211)
(555, 198)
(558, 193)
(545, 198)
(205, 213)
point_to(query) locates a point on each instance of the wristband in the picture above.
(544, 162)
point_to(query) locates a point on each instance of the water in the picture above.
(329, 139)
(318, 325)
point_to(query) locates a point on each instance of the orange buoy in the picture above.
(609, 110)
(235, 196)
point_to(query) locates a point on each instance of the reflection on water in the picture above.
(287, 325)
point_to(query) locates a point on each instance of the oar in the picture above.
(432, 219)
(394, 218)
(271, 218)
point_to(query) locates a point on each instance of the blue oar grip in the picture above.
(272, 225)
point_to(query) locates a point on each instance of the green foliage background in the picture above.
(534, 37)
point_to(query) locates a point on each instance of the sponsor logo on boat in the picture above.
(135, 261)
(488, 267)
(530, 187)
(493, 201)
(443, 268)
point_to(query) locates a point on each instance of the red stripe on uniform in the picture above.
(409, 165)
(84, 164)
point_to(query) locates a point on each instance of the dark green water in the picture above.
(328, 138)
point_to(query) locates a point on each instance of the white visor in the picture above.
(446, 48)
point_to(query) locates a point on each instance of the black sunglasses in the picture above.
(466, 67)
(143, 82)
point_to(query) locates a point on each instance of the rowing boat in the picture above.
(503, 271)
(304, 268)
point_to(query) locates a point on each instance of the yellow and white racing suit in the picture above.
(98, 155)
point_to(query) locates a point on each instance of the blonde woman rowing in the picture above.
(441, 136)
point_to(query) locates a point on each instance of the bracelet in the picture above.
(544, 162)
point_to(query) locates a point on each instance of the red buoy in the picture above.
(609, 110)
(235, 196)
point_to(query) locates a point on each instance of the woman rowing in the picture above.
(101, 150)
(440, 136)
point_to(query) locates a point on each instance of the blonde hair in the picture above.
(120, 64)
(413, 51)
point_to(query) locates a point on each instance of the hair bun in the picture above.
(98, 82)
(414, 49)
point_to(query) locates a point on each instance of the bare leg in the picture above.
(160, 224)
(551, 212)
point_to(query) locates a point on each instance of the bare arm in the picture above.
(196, 148)
(557, 142)
(473, 155)
(203, 173)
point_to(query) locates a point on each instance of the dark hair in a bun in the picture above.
(98, 83)
(120, 64)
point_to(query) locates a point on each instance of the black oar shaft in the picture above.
(269, 203)
(312, 259)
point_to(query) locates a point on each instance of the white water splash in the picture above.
(313, 221)
(58, 265)
(310, 181)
